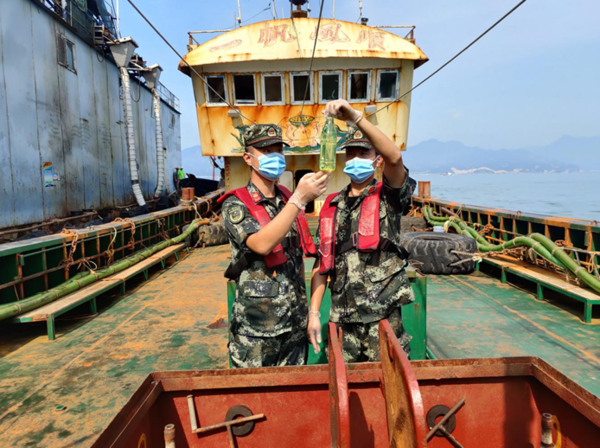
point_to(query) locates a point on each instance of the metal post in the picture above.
(273, 8)
(239, 19)
(118, 20)
(359, 9)
(425, 189)
(192, 412)
(64, 9)
(333, 14)
(547, 426)
(169, 436)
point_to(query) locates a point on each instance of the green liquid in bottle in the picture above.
(328, 146)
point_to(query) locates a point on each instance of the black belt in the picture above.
(235, 269)
(385, 245)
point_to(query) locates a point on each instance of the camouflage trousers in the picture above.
(287, 349)
(360, 342)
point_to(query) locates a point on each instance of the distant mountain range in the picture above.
(567, 154)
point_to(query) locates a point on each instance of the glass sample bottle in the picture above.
(328, 145)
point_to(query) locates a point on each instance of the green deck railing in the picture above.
(33, 266)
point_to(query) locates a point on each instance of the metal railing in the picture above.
(411, 34)
(167, 96)
(78, 15)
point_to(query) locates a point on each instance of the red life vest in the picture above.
(277, 256)
(367, 238)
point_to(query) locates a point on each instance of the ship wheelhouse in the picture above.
(264, 71)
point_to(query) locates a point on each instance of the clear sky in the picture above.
(531, 80)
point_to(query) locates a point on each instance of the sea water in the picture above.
(572, 195)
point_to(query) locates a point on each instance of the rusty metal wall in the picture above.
(215, 120)
(74, 120)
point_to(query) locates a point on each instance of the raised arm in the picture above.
(389, 152)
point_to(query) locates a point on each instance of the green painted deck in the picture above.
(95, 364)
(474, 316)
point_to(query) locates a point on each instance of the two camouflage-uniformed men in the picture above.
(269, 316)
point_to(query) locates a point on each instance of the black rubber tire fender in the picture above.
(214, 234)
(439, 253)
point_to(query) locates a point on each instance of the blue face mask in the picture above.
(270, 165)
(359, 169)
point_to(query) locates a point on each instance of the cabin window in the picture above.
(358, 86)
(215, 90)
(244, 90)
(301, 88)
(65, 52)
(273, 89)
(330, 86)
(387, 88)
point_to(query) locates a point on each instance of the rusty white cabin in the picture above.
(263, 71)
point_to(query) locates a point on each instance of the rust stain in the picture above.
(275, 40)
(204, 283)
(218, 323)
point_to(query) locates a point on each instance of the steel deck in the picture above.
(95, 365)
(478, 316)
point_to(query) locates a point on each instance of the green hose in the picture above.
(484, 245)
(568, 262)
(542, 245)
(84, 279)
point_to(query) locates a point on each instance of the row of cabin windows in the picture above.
(330, 83)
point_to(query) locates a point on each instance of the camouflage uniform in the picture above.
(367, 287)
(270, 313)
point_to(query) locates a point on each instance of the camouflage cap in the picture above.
(262, 135)
(355, 137)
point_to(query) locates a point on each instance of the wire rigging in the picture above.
(310, 70)
(257, 14)
(452, 58)
(202, 78)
